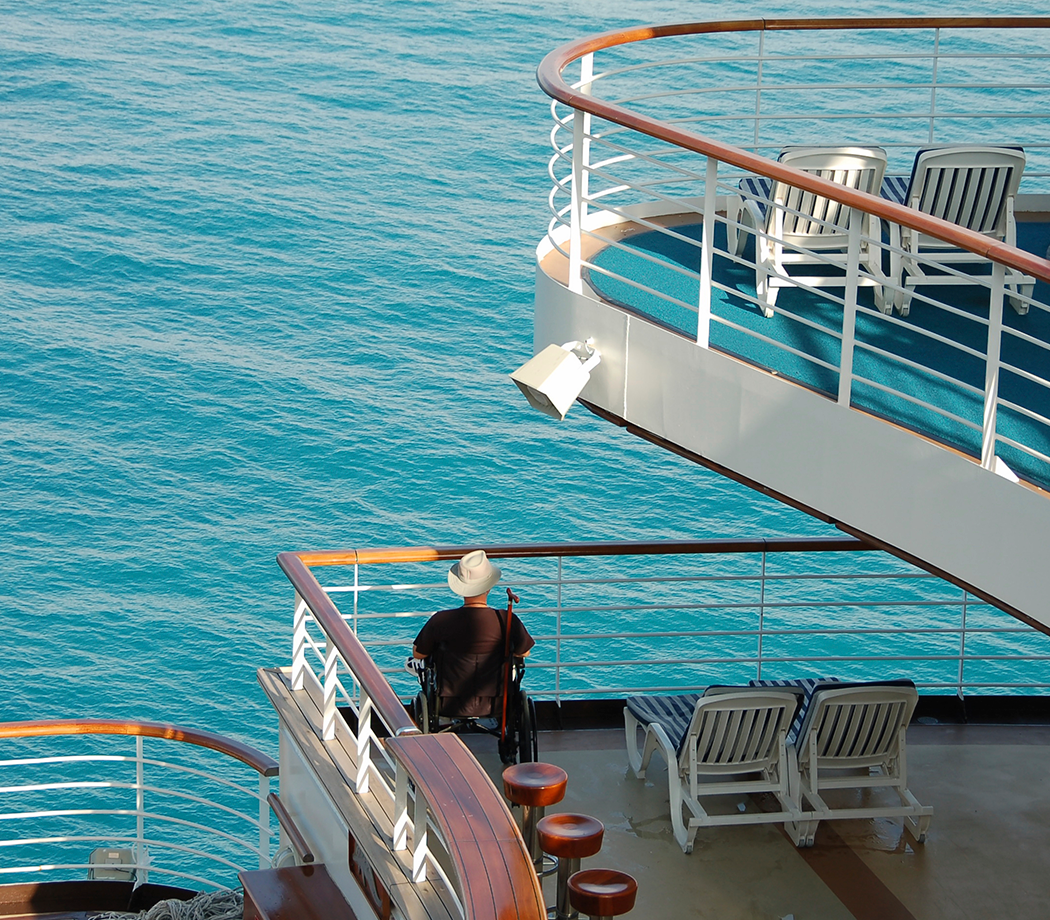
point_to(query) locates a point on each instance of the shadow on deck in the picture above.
(984, 857)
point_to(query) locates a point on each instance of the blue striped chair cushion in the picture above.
(895, 188)
(758, 188)
(809, 686)
(673, 712)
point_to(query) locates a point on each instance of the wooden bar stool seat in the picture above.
(602, 893)
(569, 838)
(532, 787)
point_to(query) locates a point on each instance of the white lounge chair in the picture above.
(852, 737)
(972, 186)
(732, 734)
(795, 228)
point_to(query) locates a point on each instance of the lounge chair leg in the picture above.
(811, 833)
(739, 225)
(684, 834)
(1026, 290)
(917, 828)
(902, 301)
(652, 742)
(634, 756)
(767, 293)
(765, 289)
(881, 303)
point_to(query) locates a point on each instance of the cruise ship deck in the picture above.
(984, 856)
(915, 420)
(925, 386)
(810, 255)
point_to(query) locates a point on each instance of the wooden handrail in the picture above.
(365, 670)
(496, 876)
(291, 829)
(549, 76)
(605, 548)
(246, 754)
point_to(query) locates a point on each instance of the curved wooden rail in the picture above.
(549, 76)
(490, 857)
(607, 548)
(245, 753)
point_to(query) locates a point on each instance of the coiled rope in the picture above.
(224, 904)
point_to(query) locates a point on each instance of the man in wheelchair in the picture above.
(469, 657)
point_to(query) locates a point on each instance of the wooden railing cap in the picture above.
(549, 76)
(245, 753)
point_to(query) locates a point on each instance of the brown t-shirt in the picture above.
(467, 645)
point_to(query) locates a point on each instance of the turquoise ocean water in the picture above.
(264, 268)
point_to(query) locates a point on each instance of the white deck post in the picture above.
(329, 713)
(758, 88)
(419, 837)
(557, 642)
(357, 592)
(991, 367)
(141, 852)
(581, 126)
(264, 822)
(401, 821)
(707, 254)
(299, 643)
(761, 613)
(849, 309)
(933, 84)
(364, 741)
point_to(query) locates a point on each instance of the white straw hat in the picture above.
(473, 575)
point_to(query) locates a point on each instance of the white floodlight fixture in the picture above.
(553, 379)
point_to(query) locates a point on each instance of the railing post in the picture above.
(328, 712)
(933, 84)
(991, 367)
(364, 741)
(707, 254)
(264, 822)
(299, 637)
(758, 86)
(581, 126)
(357, 592)
(141, 873)
(418, 846)
(962, 643)
(761, 613)
(557, 641)
(849, 309)
(401, 821)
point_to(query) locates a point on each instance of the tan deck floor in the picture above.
(986, 855)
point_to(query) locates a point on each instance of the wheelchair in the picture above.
(517, 740)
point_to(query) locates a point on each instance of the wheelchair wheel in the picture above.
(421, 712)
(520, 746)
(528, 748)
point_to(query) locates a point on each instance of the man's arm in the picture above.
(523, 642)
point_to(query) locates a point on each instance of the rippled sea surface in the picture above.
(264, 268)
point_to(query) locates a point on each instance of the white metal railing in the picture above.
(184, 812)
(613, 625)
(628, 210)
(355, 698)
(621, 618)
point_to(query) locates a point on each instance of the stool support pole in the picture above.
(530, 817)
(566, 868)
